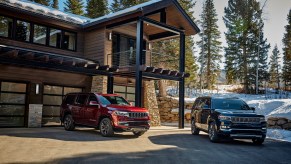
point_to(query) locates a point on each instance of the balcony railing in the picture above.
(127, 59)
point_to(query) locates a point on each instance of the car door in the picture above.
(196, 112)
(78, 108)
(206, 109)
(92, 112)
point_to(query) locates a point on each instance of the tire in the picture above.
(137, 134)
(69, 123)
(194, 129)
(212, 132)
(106, 128)
(258, 141)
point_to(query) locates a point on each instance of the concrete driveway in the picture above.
(159, 145)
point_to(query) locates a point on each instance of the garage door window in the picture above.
(12, 104)
(52, 99)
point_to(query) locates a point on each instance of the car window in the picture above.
(231, 104)
(92, 98)
(117, 100)
(81, 100)
(70, 99)
(103, 100)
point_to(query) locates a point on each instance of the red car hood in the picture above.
(126, 108)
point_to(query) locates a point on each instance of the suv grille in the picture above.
(245, 119)
(137, 115)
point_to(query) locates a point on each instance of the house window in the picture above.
(55, 38)
(22, 31)
(125, 91)
(12, 103)
(6, 27)
(39, 34)
(52, 99)
(69, 41)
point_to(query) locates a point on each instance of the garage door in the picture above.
(52, 99)
(12, 104)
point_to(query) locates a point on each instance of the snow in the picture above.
(269, 105)
(46, 11)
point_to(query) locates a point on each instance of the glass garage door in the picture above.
(12, 104)
(52, 99)
(125, 91)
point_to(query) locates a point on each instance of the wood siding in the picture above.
(94, 47)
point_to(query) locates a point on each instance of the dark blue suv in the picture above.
(227, 118)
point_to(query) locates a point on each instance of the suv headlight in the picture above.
(120, 113)
(227, 118)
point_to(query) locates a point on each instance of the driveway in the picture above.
(159, 145)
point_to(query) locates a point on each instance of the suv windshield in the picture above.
(107, 100)
(235, 104)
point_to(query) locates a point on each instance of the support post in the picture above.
(138, 77)
(182, 81)
(110, 80)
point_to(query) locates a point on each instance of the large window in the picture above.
(55, 37)
(12, 102)
(6, 26)
(52, 99)
(39, 34)
(22, 31)
(125, 91)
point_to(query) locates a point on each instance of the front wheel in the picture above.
(212, 132)
(106, 128)
(194, 129)
(69, 123)
(258, 141)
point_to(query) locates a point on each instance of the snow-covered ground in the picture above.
(269, 105)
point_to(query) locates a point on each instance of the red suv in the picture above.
(107, 112)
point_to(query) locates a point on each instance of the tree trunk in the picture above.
(162, 88)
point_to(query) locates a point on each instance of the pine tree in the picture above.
(287, 53)
(247, 47)
(274, 68)
(74, 6)
(96, 8)
(210, 45)
(55, 4)
(43, 2)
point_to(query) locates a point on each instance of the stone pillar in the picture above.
(150, 102)
(99, 84)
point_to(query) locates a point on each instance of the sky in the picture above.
(274, 14)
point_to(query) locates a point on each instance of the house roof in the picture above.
(143, 9)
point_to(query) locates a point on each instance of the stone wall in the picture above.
(169, 110)
(279, 123)
(99, 84)
(150, 102)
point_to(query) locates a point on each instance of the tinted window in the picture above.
(103, 100)
(117, 100)
(39, 34)
(70, 99)
(81, 99)
(22, 31)
(6, 27)
(232, 104)
(92, 98)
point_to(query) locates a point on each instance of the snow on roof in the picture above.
(128, 10)
(46, 11)
(77, 19)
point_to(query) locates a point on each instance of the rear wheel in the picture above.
(212, 132)
(194, 129)
(258, 141)
(69, 123)
(138, 133)
(106, 128)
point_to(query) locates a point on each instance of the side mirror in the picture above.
(253, 108)
(94, 103)
(131, 103)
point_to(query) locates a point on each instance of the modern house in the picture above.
(46, 53)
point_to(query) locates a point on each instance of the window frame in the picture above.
(31, 36)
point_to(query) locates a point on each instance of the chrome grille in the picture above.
(245, 119)
(137, 115)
